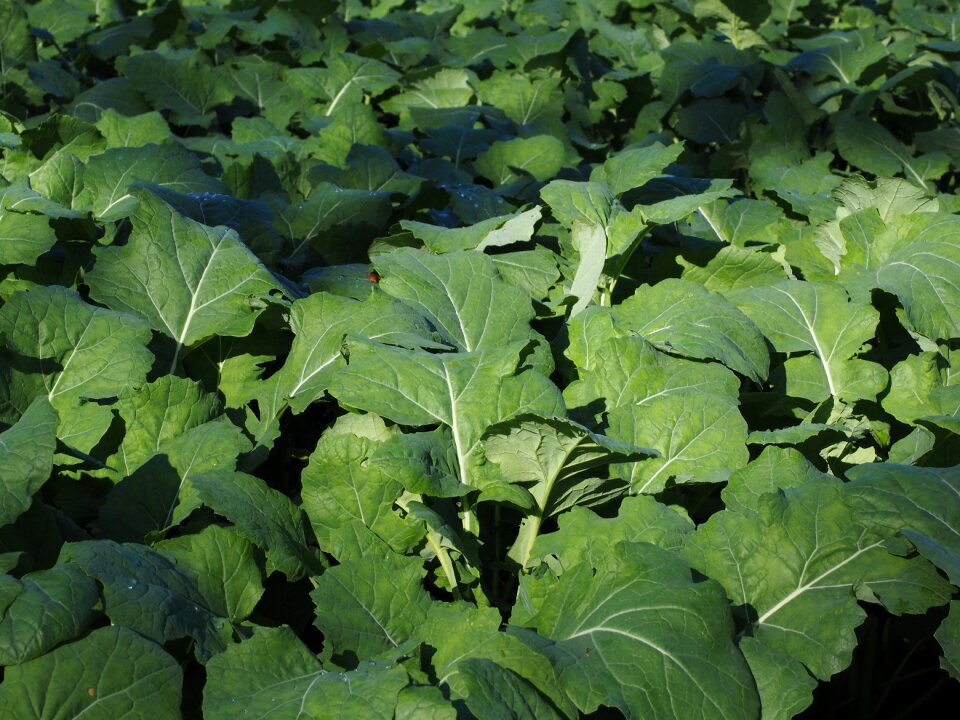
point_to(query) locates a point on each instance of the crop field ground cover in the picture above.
(503, 359)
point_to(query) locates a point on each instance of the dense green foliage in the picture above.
(508, 359)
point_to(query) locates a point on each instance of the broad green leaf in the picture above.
(341, 485)
(917, 390)
(817, 318)
(262, 515)
(626, 371)
(26, 458)
(491, 690)
(919, 268)
(273, 676)
(742, 221)
(24, 237)
(531, 99)
(316, 227)
(370, 605)
(461, 633)
(801, 562)
(108, 178)
(948, 635)
(540, 156)
(633, 167)
(495, 232)
(869, 146)
(572, 202)
(590, 242)
(158, 494)
(785, 686)
(423, 702)
(42, 610)
(225, 568)
(638, 633)
(584, 536)
(261, 82)
(156, 414)
(919, 503)
(344, 80)
(733, 268)
(458, 390)
(321, 321)
(461, 295)
(137, 131)
(682, 318)
(180, 81)
(17, 44)
(699, 439)
(447, 88)
(190, 281)
(774, 469)
(112, 672)
(146, 592)
(559, 462)
(72, 352)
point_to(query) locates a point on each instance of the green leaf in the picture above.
(370, 605)
(321, 321)
(540, 156)
(109, 178)
(919, 503)
(113, 672)
(156, 414)
(461, 295)
(698, 438)
(639, 634)
(590, 242)
(72, 352)
(785, 686)
(138, 131)
(342, 485)
(948, 635)
(180, 81)
(158, 493)
(774, 469)
(42, 610)
(919, 268)
(462, 634)
(26, 458)
(559, 462)
(493, 691)
(682, 318)
(190, 281)
(225, 568)
(633, 167)
(24, 237)
(146, 592)
(817, 318)
(273, 675)
(801, 562)
(584, 536)
(264, 516)
(733, 268)
(867, 145)
(495, 232)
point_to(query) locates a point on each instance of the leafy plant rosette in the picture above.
(510, 359)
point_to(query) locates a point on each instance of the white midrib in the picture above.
(812, 584)
(816, 344)
(457, 442)
(192, 310)
(66, 364)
